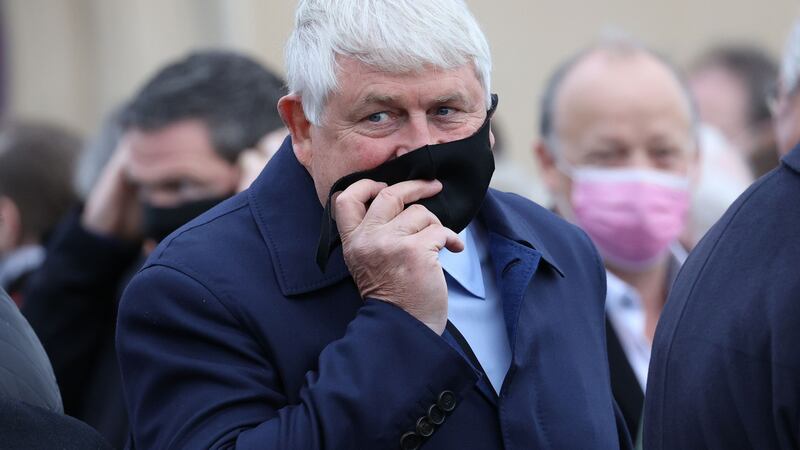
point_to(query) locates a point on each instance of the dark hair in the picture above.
(235, 96)
(753, 66)
(36, 164)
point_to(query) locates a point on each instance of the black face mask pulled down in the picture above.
(464, 168)
(158, 223)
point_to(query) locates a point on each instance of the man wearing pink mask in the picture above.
(618, 150)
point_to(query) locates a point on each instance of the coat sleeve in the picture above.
(194, 377)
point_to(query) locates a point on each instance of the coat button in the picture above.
(447, 401)
(435, 415)
(424, 427)
(410, 441)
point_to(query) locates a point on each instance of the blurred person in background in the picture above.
(177, 148)
(724, 174)
(725, 370)
(730, 83)
(36, 164)
(618, 148)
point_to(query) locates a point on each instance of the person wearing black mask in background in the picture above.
(177, 155)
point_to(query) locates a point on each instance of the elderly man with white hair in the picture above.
(369, 291)
(725, 370)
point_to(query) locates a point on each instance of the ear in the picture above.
(547, 167)
(290, 108)
(10, 225)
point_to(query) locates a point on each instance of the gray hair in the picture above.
(616, 43)
(790, 69)
(398, 36)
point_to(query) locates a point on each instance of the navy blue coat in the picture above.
(232, 337)
(725, 367)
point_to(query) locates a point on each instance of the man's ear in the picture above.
(547, 166)
(290, 108)
(10, 225)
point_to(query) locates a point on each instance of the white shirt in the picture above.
(626, 314)
(474, 303)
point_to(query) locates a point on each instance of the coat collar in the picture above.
(792, 159)
(288, 215)
(499, 218)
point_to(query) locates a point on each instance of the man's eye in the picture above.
(664, 153)
(444, 111)
(378, 117)
(603, 156)
(172, 186)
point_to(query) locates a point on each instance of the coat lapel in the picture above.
(284, 203)
(517, 253)
(792, 159)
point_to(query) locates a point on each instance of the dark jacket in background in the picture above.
(25, 371)
(28, 427)
(71, 302)
(624, 384)
(31, 415)
(725, 367)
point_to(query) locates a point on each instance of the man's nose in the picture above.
(417, 133)
(641, 159)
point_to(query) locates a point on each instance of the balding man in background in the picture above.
(725, 370)
(617, 151)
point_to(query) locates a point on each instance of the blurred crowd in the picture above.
(643, 155)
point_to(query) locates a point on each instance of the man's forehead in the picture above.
(362, 83)
(638, 86)
(186, 135)
(176, 151)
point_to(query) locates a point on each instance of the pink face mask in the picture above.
(632, 215)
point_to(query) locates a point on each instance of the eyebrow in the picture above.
(390, 100)
(380, 99)
(455, 97)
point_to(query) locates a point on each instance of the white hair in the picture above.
(790, 69)
(396, 36)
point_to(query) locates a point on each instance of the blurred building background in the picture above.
(72, 61)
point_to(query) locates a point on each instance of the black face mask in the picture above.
(464, 168)
(158, 223)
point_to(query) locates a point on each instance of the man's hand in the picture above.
(393, 251)
(112, 208)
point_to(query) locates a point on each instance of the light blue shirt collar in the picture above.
(465, 267)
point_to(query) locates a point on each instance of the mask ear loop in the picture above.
(493, 108)
(327, 242)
